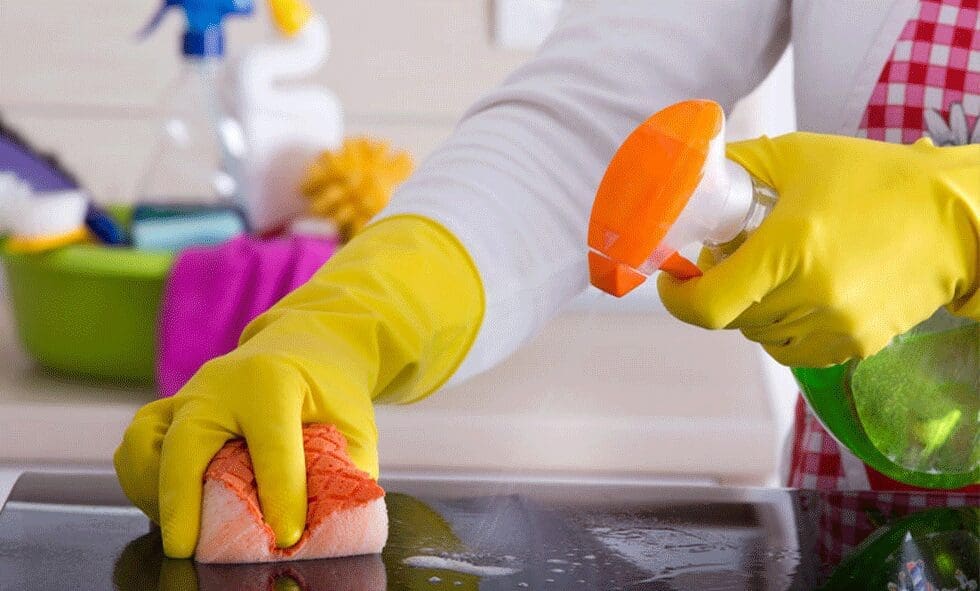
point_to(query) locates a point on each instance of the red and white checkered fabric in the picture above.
(935, 65)
(816, 459)
(930, 85)
(848, 518)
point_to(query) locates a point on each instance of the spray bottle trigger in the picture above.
(679, 267)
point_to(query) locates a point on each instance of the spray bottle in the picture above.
(907, 411)
(199, 158)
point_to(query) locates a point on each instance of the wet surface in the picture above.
(58, 532)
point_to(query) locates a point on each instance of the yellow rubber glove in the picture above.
(389, 317)
(866, 240)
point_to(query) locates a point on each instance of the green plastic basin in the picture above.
(89, 310)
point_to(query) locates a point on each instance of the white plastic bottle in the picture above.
(285, 125)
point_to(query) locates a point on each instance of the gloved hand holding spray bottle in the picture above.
(910, 407)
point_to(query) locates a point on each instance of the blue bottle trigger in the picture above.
(203, 36)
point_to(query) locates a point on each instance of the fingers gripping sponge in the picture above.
(346, 512)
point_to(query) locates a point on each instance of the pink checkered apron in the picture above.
(848, 518)
(930, 85)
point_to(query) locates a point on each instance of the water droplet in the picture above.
(589, 557)
(549, 580)
(522, 584)
(557, 570)
(556, 561)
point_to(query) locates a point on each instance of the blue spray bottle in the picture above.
(198, 159)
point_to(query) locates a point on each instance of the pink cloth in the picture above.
(213, 292)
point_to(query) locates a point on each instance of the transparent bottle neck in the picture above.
(761, 200)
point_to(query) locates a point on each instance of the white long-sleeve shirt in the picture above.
(516, 181)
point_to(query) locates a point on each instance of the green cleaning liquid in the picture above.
(918, 399)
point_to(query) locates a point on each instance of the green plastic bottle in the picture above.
(912, 410)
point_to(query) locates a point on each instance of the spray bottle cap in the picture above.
(668, 185)
(290, 16)
(204, 36)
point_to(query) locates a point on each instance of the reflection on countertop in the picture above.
(455, 534)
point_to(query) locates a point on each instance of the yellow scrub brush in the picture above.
(350, 185)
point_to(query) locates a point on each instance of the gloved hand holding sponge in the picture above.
(389, 318)
(867, 239)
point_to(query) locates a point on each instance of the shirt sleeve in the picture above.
(516, 180)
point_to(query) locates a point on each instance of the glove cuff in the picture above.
(391, 315)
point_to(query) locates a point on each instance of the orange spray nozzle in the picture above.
(646, 187)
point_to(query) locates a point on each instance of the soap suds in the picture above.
(458, 566)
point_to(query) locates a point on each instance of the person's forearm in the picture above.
(516, 180)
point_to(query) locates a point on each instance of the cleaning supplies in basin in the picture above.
(912, 411)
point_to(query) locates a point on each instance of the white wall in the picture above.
(73, 78)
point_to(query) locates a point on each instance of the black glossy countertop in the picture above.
(77, 532)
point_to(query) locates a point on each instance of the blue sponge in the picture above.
(177, 228)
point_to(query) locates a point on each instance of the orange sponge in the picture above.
(346, 512)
